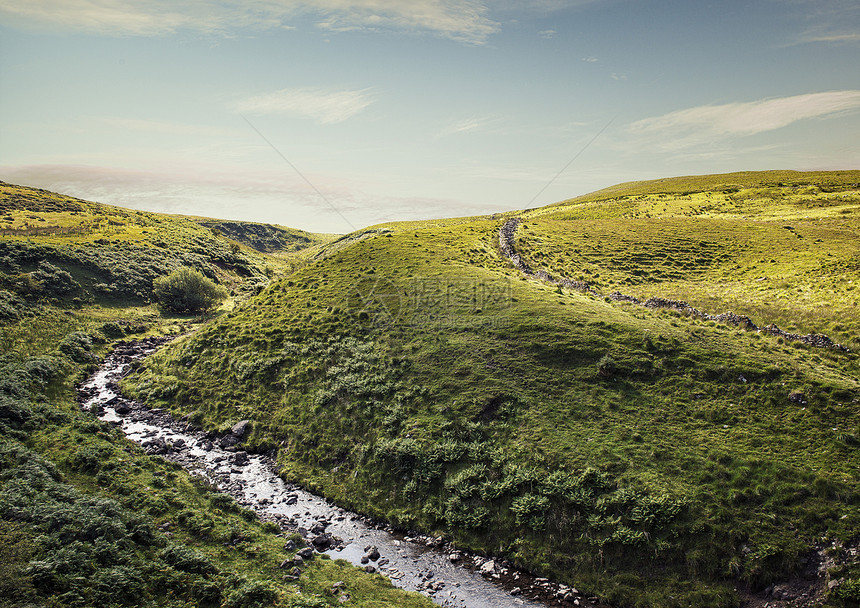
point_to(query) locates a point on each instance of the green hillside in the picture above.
(86, 518)
(647, 456)
(113, 254)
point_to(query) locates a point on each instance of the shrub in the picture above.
(78, 346)
(112, 330)
(186, 290)
(606, 366)
(54, 281)
(187, 560)
(251, 594)
(847, 594)
(11, 306)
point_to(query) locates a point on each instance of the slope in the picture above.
(86, 517)
(648, 457)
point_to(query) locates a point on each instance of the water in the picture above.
(424, 564)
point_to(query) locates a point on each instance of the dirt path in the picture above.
(507, 245)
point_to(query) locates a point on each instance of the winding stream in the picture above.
(424, 564)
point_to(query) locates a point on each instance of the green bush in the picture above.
(187, 560)
(78, 346)
(54, 282)
(251, 594)
(847, 594)
(186, 290)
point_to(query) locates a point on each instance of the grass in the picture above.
(785, 253)
(409, 372)
(412, 375)
(86, 517)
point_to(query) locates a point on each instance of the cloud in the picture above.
(464, 20)
(547, 34)
(590, 59)
(466, 125)
(831, 38)
(324, 106)
(751, 117)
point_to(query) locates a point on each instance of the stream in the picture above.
(426, 564)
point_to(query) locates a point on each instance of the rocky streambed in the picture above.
(429, 565)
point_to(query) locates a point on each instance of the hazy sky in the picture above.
(331, 115)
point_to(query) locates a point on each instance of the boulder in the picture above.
(240, 428)
(488, 568)
(322, 541)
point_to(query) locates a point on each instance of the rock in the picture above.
(797, 397)
(318, 528)
(516, 591)
(240, 428)
(455, 557)
(122, 409)
(371, 553)
(289, 545)
(370, 569)
(291, 499)
(297, 572)
(322, 541)
(784, 592)
(488, 568)
(241, 458)
(228, 441)
(286, 564)
(306, 553)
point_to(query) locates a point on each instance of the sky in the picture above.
(333, 115)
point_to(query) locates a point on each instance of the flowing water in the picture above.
(418, 563)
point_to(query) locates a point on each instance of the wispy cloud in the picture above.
(467, 125)
(831, 38)
(750, 117)
(465, 20)
(590, 59)
(547, 34)
(324, 106)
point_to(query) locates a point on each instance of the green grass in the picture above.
(86, 517)
(786, 253)
(413, 375)
(409, 372)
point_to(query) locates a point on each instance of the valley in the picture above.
(517, 397)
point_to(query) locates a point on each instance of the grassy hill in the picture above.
(86, 518)
(652, 458)
(113, 254)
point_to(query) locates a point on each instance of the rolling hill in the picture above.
(655, 455)
(86, 517)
